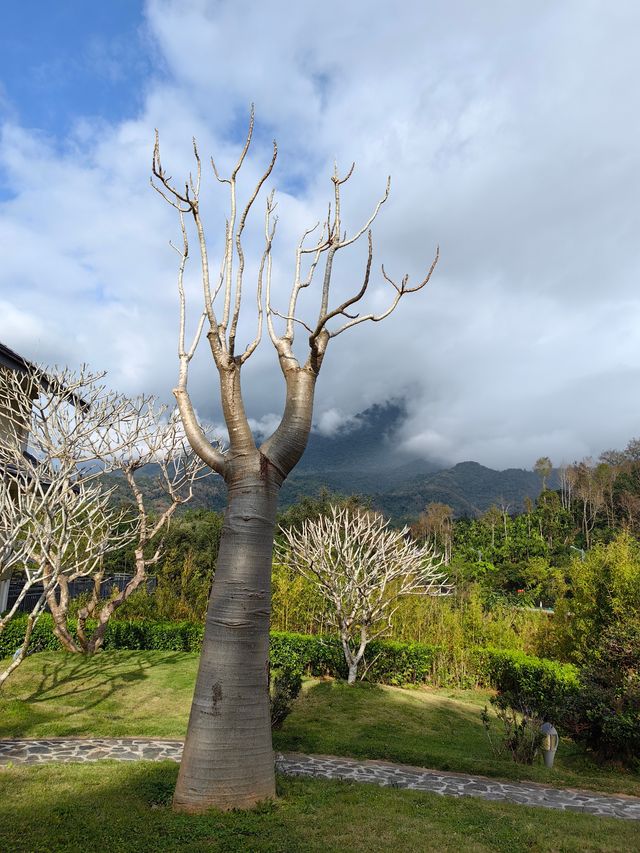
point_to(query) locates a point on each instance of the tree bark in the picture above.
(228, 759)
(94, 643)
(59, 607)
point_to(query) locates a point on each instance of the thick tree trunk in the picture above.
(228, 759)
(95, 642)
(59, 607)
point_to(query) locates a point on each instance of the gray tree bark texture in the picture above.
(230, 725)
(228, 759)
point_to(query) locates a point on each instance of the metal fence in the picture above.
(76, 588)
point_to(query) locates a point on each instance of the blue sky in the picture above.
(69, 58)
(512, 134)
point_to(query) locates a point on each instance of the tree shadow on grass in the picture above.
(423, 729)
(369, 721)
(68, 675)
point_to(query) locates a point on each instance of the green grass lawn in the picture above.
(125, 807)
(149, 693)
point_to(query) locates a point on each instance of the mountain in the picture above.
(468, 487)
(361, 459)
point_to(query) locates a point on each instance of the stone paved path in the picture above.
(331, 767)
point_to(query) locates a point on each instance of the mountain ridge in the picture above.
(362, 459)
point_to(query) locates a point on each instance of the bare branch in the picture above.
(240, 252)
(291, 319)
(264, 261)
(400, 292)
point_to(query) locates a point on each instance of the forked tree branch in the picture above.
(222, 333)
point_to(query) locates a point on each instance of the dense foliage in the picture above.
(606, 711)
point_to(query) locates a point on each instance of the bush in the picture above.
(546, 687)
(603, 590)
(42, 638)
(521, 732)
(142, 634)
(284, 686)
(542, 685)
(312, 653)
(606, 711)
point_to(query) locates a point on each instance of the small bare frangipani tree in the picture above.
(79, 431)
(53, 529)
(363, 569)
(228, 759)
(159, 442)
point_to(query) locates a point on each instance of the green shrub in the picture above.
(142, 634)
(606, 711)
(312, 653)
(284, 686)
(542, 685)
(42, 638)
(546, 687)
(521, 731)
(391, 662)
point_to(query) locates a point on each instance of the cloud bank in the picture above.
(512, 134)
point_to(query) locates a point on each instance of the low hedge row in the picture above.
(543, 684)
(142, 635)
(546, 687)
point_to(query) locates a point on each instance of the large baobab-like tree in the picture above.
(362, 569)
(228, 759)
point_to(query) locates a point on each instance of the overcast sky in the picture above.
(512, 135)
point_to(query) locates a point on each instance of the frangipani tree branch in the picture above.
(360, 564)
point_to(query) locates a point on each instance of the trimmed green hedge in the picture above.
(142, 634)
(544, 685)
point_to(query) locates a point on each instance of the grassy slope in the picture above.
(149, 693)
(124, 807)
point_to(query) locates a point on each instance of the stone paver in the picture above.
(380, 773)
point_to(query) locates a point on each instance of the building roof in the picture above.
(9, 358)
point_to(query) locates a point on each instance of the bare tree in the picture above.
(153, 440)
(590, 492)
(79, 430)
(228, 759)
(64, 530)
(436, 524)
(363, 569)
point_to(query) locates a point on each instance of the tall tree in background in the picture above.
(435, 524)
(228, 759)
(543, 467)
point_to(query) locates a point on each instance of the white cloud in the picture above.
(331, 421)
(513, 141)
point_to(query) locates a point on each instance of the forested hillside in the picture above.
(362, 460)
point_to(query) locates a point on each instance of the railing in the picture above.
(76, 588)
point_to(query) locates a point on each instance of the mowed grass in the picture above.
(440, 729)
(125, 807)
(114, 694)
(128, 694)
